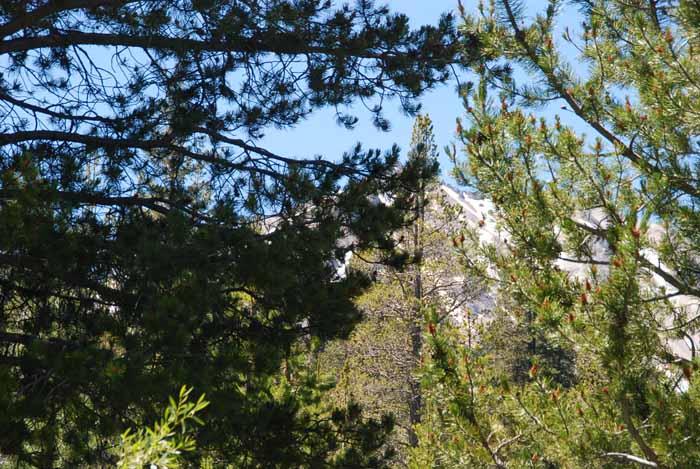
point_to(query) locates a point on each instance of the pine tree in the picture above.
(423, 150)
(602, 239)
(377, 365)
(147, 242)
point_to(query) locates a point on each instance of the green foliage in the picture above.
(376, 365)
(339, 434)
(601, 254)
(147, 241)
(162, 445)
(517, 343)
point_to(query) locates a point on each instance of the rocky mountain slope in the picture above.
(479, 214)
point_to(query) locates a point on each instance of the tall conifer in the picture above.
(599, 208)
(147, 241)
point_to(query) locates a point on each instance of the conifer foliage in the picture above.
(602, 239)
(147, 242)
(377, 364)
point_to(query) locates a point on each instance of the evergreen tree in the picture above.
(377, 364)
(147, 242)
(602, 240)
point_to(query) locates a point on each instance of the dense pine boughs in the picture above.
(147, 242)
(376, 366)
(601, 252)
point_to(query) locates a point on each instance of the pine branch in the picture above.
(631, 458)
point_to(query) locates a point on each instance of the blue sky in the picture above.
(320, 135)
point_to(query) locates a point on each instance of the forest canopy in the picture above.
(584, 136)
(348, 310)
(147, 242)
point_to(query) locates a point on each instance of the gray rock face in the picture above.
(479, 214)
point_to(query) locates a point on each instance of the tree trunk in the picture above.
(415, 403)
